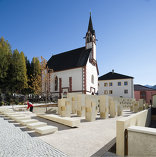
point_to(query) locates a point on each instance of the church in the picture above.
(74, 71)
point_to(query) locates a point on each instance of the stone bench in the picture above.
(28, 121)
(17, 115)
(46, 129)
(21, 118)
(7, 114)
(36, 125)
(62, 120)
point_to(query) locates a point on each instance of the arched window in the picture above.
(56, 83)
(92, 78)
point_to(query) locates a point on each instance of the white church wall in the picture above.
(116, 90)
(94, 49)
(76, 75)
(91, 70)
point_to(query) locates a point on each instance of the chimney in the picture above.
(112, 70)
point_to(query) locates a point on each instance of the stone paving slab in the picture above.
(17, 143)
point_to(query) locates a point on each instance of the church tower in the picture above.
(91, 39)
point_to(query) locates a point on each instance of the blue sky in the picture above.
(125, 29)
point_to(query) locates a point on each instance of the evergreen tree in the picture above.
(23, 71)
(19, 71)
(28, 66)
(29, 72)
(5, 59)
(35, 66)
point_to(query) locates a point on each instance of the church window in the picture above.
(92, 79)
(56, 83)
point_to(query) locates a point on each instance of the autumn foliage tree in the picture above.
(35, 76)
(45, 77)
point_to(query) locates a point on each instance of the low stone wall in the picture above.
(142, 118)
(141, 141)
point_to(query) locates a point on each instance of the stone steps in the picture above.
(36, 125)
(15, 116)
(28, 121)
(46, 129)
(62, 120)
(21, 118)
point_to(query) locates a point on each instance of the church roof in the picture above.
(113, 76)
(70, 59)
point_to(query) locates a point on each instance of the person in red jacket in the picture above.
(30, 105)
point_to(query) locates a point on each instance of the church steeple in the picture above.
(90, 26)
(91, 39)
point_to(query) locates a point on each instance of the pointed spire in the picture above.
(90, 26)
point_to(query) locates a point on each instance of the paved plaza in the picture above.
(17, 143)
(89, 139)
(86, 140)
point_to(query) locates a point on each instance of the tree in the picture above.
(5, 59)
(24, 84)
(35, 77)
(35, 66)
(19, 78)
(45, 77)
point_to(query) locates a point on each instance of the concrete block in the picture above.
(103, 106)
(17, 119)
(91, 108)
(119, 106)
(62, 120)
(64, 107)
(46, 129)
(131, 108)
(59, 106)
(154, 101)
(14, 116)
(36, 125)
(73, 99)
(28, 121)
(81, 105)
(7, 114)
(136, 106)
(112, 107)
(141, 104)
(74, 106)
(139, 119)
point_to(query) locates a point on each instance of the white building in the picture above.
(117, 85)
(75, 70)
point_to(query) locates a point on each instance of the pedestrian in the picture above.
(30, 105)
